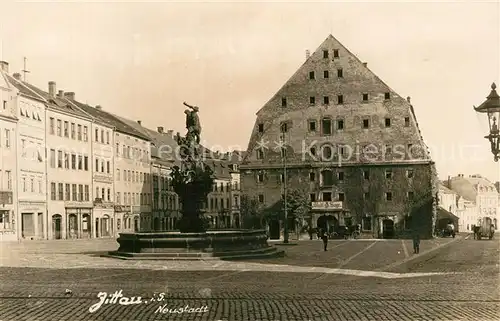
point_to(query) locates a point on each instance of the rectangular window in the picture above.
(335, 53)
(326, 74)
(407, 121)
(261, 198)
(52, 125)
(85, 134)
(80, 193)
(97, 165)
(60, 192)
(327, 197)
(80, 162)
(73, 161)
(66, 160)
(340, 124)
(87, 193)
(366, 123)
(74, 192)
(86, 163)
(53, 191)
(340, 99)
(388, 149)
(59, 159)
(387, 96)
(9, 180)
(117, 174)
(388, 174)
(340, 176)
(108, 167)
(72, 130)
(312, 100)
(7, 138)
(341, 197)
(312, 197)
(388, 196)
(312, 177)
(325, 54)
(5, 104)
(283, 102)
(312, 125)
(260, 179)
(79, 132)
(340, 73)
(102, 136)
(261, 128)
(387, 122)
(326, 126)
(312, 75)
(284, 127)
(66, 129)
(260, 153)
(67, 194)
(326, 100)
(96, 135)
(107, 138)
(366, 175)
(59, 127)
(52, 158)
(365, 97)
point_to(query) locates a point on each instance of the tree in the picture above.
(298, 206)
(250, 213)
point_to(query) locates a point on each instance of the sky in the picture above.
(142, 60)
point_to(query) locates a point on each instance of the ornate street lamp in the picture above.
(491, 106)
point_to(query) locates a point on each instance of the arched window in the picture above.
(327, 152)
(326, 178)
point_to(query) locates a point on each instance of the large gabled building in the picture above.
(350, 144)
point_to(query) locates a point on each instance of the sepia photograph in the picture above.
(249, 160)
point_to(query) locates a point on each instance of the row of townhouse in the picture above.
(470, 199)
(70, 170)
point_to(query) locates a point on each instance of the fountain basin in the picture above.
(212, 244)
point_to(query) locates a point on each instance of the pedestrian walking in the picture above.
(416, 243)
(324, 237)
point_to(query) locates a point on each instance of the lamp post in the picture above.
(283, 156)
(491, 107)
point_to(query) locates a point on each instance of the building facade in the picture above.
(9, 226)
(105, 220)
(343, 136)
(234, 159)
(31, 162)
(480, 199)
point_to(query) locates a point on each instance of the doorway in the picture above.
(97, 232)
(274, 230)
(387, 229)
(56, 226)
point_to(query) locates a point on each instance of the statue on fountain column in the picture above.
(193, 122)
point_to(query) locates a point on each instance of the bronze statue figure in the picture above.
(193, 123)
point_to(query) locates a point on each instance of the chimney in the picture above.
(170, 132)
(4, 66)
(365, 64)
(308, 54)
(61, 93)
(449, 182)
(160, 130)
(98, 107)
(52, 88)
(17, 76)
(139, 122)
(70, 95)
(408, 99)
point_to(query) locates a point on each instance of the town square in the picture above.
(249, 161)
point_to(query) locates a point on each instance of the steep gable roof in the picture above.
(467, 187)
(339, 72)
(24, 90)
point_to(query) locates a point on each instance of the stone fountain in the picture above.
(192, 182)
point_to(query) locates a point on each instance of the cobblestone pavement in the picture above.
(469, 293)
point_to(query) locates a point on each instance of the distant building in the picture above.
(480, 199)
(351, 145)
(234, 160)
(9, 219)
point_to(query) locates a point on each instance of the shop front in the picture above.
(328, 215)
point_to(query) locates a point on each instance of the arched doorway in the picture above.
(387, 229)
(322, 222)
(105, 226)
(274, 229)
(136, 224)
(72, 226)
(56, 226)
(86, 230)
(156, 224)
